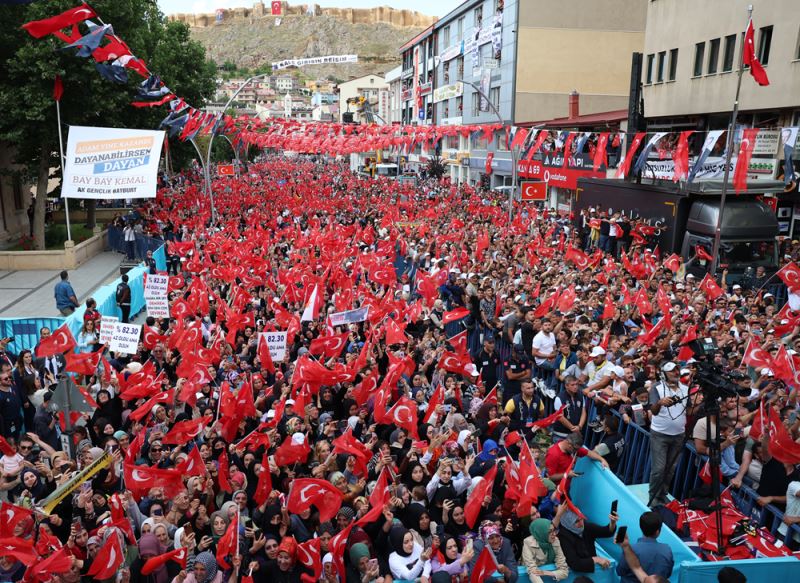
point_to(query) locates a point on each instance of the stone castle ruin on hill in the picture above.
(379, 14)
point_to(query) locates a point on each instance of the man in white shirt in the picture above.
(669, 403)
(544, 344)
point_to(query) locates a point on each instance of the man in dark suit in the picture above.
(49, 367)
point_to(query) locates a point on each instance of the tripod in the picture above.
(714, 453)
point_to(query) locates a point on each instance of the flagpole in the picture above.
(729, 153)
(61, 151)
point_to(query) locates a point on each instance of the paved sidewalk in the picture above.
(25, 294)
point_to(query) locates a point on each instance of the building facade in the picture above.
(375, 91)
(395, 82)
(526, 58)
(689, 82)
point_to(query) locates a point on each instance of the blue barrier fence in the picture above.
(26, 330)
(142, 245)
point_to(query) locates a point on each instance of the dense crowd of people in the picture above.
(430, 438)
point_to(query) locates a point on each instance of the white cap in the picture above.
(685, 371)
(688, 275)
(737, 286)
(768, 295)
(471, 370)
(691, 361)
(618, 370)
(597, 351)
(766, 372)
(670, 366)
(680, 286)
(289, 402)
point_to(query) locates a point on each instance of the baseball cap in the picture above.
(597, 351)
(668, 367)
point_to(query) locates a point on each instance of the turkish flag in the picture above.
(58, 88)
(349, 445)
(178, 556)
(750, 59)
(140, 479)
(404, 414)
(475, 500)
(578, 257)
(437, 398)
(781, 445)
(223, 472)
(454, 315)
(108, 559)
(184, 431)
(641, 302)
(782, 365)
(276, 7)
(459, 342)
(321, 493)
(689, 336)
(484, 567)
(609, 308)
(264, 355)
(711, 288)
(59, 342)
(550, 419)
(756, 356)
(790, 275)
(673, 263)
(705, 473)
(394, 334)
(84, 363)
(150, 338)
(291, 452)
(11, 515)
(264, 486)
(329, 346)
(228, 544)
(193, 465)
(58, 562)
(366, 387)
(701, 253)
(163, 398)
(20, 549)
(40, 28)
(632, 147)
(653, 333)
(309, 554)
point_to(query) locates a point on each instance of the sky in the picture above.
(437, 8)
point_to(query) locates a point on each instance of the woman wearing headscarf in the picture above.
(31, 485)
(577, 538)
(149, 547)
(108, 408)
(492, 538)
(454, 519)
(543, 548)
(204, 570)
(486, 459)
(453, 568)
(361, 568)
(418, 519)
(409, 560)
(285, 568)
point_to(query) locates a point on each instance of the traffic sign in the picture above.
(533, 190)
(225, 170)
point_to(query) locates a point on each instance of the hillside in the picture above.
(250, 43)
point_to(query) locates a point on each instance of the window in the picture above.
(730, 51)
(476, 103)
(501, 144)
(764, 44)
(494, 97)
(460, 67)
(446, 73)
(459, 106)
(713, 56)
(699, 53)
(649, 77)
(673, 64)
(460, 28)
(478, 16)
(662, 56)
(445, 37)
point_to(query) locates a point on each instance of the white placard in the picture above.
(277, 344)
(111, 163)
(157, 307)
(107, 328)
(125, 338)
(326, 60)
(156, 286)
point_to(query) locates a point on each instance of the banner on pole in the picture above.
(327, 60)
(111, 163)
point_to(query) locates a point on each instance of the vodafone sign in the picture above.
(555, 175)
(531, 190)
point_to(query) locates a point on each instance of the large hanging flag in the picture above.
(750, 59)
(680, 157)
(708, 147)
(626, 164)
(746, 147)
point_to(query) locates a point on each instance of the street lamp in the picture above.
(211, 141)
(513, 153)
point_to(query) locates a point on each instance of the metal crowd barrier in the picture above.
(116, 241)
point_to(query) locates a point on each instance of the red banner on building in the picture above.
(556, 175)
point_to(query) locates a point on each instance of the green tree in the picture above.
(28, 122)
